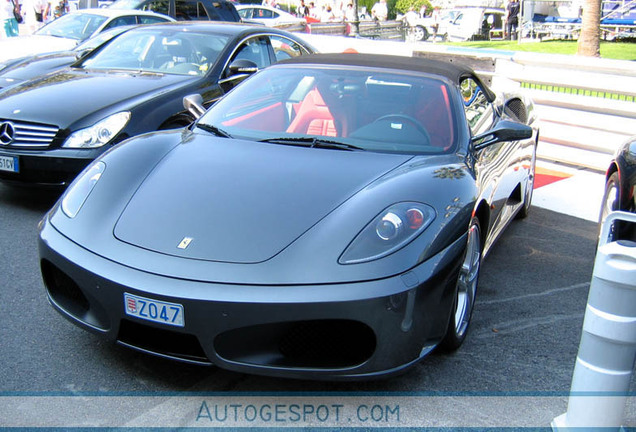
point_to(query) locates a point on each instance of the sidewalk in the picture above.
(578, 193)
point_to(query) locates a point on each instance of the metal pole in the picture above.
(607, 352)
(355, 25)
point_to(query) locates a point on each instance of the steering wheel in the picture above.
(403, 118)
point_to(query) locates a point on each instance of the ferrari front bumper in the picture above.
(306, 331)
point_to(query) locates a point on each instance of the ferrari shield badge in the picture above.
(185, 243)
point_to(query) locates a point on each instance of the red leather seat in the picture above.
(313, 117)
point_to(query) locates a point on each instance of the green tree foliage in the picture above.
(402, 6)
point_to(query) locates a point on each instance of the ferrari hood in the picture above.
(84, 93)
(239, 201)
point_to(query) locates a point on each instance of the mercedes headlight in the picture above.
(390, 231)
(100, 133)
(79, 191)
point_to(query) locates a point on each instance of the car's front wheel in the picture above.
(420, 33)
(466, 290)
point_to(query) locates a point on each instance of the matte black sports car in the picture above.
(55, 125)
(620, 189)
(326, 219)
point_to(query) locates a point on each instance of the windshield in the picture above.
(160, 51)
(79, 26)
(362, 108)
(100, 38)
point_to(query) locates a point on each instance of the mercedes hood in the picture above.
(76, 93)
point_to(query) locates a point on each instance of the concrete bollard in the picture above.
(607, 351)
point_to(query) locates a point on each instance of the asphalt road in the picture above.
(524, 335)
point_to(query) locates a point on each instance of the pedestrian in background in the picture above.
(7, 18)
(303, 10)
(380, 11)
(32, 12)
(512, 19)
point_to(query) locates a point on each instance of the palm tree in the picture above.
(590, 38)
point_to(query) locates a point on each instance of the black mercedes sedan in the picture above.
(56, 124)
(326, 219)
(620, 190)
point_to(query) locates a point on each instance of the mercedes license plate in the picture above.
(154, 310)
(9, 163)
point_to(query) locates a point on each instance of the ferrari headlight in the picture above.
(79, 191)
(390, 231)
(98, 134)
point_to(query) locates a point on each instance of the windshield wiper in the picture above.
(213, 129)
(313, 142)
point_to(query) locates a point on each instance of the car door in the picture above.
(493, 164)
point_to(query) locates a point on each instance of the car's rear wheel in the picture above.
(527, 198)
(610, 201)
(466, 290)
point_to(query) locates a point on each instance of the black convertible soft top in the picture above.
(453, 71)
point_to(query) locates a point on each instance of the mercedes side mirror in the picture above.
(194, 105)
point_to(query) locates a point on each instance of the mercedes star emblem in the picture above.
(7, 133)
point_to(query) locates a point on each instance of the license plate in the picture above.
(154, 310)
(9, 163)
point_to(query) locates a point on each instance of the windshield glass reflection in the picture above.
(346, 108)
(160, 51)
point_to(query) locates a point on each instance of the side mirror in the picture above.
(240, 68)
(83, 53)
(194, 104)
(505, 131)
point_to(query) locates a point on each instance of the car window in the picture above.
(285, 48)
(78, 26)
(226, 11)
(99, 39)
(477, 108)
(159, 6)
(121, 21)
(263, 13)
(160, 51)
(245, 13)
(254, 49)
(370, 109)
(192, 11)
(145, 19)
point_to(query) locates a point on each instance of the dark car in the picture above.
(134, 84)
(326, 219)
(15, 71)
(620, 190)
(185, 10)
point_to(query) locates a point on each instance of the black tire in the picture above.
(610, 202)
(467, 280)
(527, 198)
